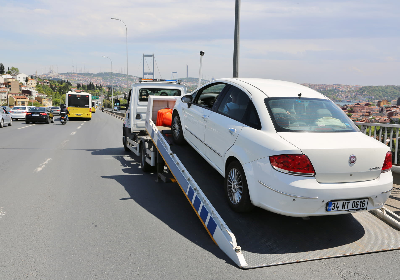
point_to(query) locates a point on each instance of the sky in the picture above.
(354, 42)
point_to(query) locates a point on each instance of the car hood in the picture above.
(330, 153)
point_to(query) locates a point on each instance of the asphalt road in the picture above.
(74, 205)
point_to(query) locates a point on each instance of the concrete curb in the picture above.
(115, 115)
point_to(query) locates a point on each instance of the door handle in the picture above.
(232, 130)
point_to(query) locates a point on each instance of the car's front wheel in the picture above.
(1, 123)
(177, 133)
(236, 188)
(10, 123)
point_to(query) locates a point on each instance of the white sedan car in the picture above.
(283, 147)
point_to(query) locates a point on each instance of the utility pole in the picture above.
(201, 62)
(236, 40)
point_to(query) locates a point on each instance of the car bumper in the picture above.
(299, 196)
(18, 116)
(37, 119)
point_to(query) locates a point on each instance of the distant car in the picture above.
(56, 110)
(19, 112)
(39, 114)
(5, 118)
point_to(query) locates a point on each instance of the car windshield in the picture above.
(308, 115)
(19, 108)
(55, 108)
(145, 92)
(37, 109)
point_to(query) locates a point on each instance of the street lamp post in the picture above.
(126, 32)
(112, 92)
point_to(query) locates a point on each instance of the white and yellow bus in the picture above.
(79, 105)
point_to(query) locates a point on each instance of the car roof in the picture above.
(273, 88)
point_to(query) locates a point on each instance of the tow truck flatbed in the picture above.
(268, 239)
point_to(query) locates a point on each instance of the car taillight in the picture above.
(90, 110)
(43, 114)
(387, 164)
(29, 113)
(293, 164)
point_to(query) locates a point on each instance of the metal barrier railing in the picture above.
(385, 133)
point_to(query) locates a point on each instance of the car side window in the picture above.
(206, 97)
(251, 117)
(234, 104)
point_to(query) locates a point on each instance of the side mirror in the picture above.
(187, 99)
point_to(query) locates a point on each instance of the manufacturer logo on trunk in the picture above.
(352, 160)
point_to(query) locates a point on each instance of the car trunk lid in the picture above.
(341, 157)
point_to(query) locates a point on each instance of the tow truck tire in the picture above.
(145, 166)
(236, 189)
(125, 141)
(176, 127)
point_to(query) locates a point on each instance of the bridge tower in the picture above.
(150, 72)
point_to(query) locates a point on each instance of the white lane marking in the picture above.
(42, 165)
(78, 127)
(83, 123)
(26, 126)
(73, 133)
(2, 213)
(64, 143)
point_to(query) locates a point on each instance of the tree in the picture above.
(2, 71)
(14, 71)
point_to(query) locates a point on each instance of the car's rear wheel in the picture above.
(47, 121)
(236, 188)
(177, 133)
(1, 123)
(10, 123)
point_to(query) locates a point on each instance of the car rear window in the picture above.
(145, 92)
(19, 108)
(37, 109)
(308, 115)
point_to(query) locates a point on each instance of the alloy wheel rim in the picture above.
(235, 186)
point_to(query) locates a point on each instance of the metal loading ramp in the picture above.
(268, 239)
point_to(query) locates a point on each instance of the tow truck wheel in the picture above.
(236, 188)
(125, 141)
(177, 133)
(145, 166)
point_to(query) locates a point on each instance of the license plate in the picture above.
(347, 205)
(79, 114)
(35, 115)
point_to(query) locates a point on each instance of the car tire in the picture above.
(236, 188)
(145, 166)
(52, 120)
(176, 129)
(1, 123)
(26, 122)
(47, 121)
(10, 123)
